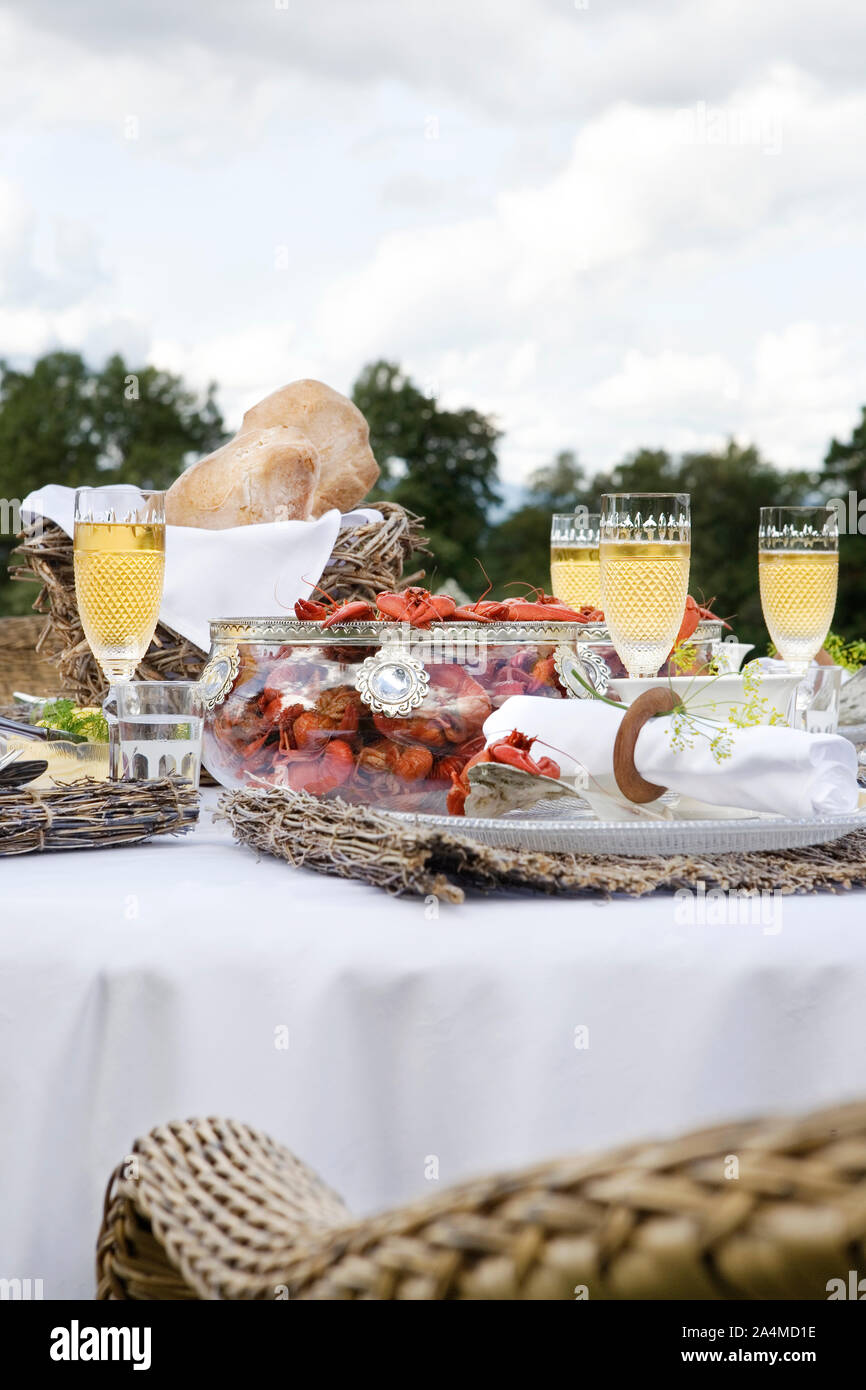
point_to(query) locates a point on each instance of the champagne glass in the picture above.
(644, 548)
(575, 575)
(798, 570)
(119, 557)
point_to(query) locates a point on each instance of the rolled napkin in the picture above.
(770, 769)
(241, 572)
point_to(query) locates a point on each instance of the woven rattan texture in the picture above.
(21, 666)
(365, 560)
(770, 1209)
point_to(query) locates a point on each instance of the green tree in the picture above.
(440, 463)
(559, 486)
(844, 473)
(727, 488)
(518, 547)
(646, 470)
(62, 421)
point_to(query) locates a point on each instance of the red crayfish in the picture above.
(483, 610)
(416, 606)
(420, 608)
(521, 672)
(315, 770)
(454, 710)
(328, 613)
(399, 762)
(544, 607)
(694, 614)
(394, 772)
(413, 605)
(336, 715)
(513, 749)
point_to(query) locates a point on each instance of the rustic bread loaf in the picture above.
(337, 429)
(263, 474)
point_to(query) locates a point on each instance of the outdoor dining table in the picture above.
(397, 1045)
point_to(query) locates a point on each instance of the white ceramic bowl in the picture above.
(713, 697)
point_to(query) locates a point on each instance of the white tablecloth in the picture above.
(142, 985)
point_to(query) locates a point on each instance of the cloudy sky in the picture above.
(608, 222)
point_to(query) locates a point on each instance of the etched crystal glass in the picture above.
(644, 549)
(798, 571)
(575, 575)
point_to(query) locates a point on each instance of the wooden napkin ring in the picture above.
(659, 699)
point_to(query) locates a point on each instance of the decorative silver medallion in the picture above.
(590, 666)
(218, 676)
(392, 682)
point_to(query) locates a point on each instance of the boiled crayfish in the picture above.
(513, 749)
(453, 712)
(693, 615)
(393, 760)
(336, 715)
(544, 607)
(416, 606)
(328, 613)
(288, 722)
(315, 770)
(420, 608)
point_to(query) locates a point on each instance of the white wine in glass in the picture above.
(575, 572)
(645, 548)
(119, 555)
(798, 571)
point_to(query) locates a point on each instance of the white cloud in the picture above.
(29, 332)
(807, 387)
(637, 215)
(653, 386)
(547, 59)
(637, 224)
(241, 362)
(631, 188)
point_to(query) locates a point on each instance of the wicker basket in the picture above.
(365, 560)
(211, 1209)
(22, 667)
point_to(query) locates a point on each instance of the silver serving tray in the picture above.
(569, 827)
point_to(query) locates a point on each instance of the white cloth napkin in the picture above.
(243, 572)
(770, 768)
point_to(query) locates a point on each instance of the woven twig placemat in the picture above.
(88, 814)
(332, 837)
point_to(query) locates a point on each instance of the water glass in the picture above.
(159, 730)
(815, 706)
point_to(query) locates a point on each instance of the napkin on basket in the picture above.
(241, 572)
(769, 769)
